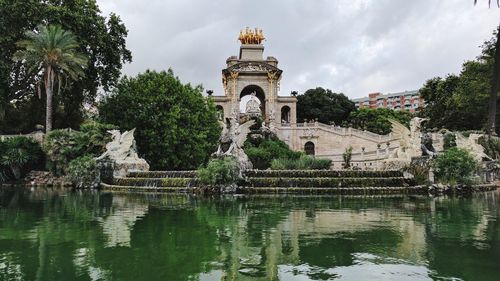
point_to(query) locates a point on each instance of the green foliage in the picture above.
(324, 105)
(460, 102)
(454, 165)
(449, 140)
(64, 145)
(177, 127)
(376, 120)
(220, 171)
(18, 155)
(420, 173)
(83, 172)
(346, 156)
(262, 154)
(95, 136)
(101, 39)
(491, 146)
(304, 162)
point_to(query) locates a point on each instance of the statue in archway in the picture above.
(253, 106)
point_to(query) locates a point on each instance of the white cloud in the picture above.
(355, 47)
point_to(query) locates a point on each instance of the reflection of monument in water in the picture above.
(250, 74)
(298, 236)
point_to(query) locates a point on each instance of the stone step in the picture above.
(271, 182)
(322, 174)
(328, 182)
(282, 190)
(155, 182)
(339, 190)
(163, 174)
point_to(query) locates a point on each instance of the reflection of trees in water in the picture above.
(72, 236)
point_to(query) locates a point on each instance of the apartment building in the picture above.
(407, 100)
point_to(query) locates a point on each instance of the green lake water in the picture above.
(46, 234)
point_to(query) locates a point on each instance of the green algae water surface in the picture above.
(46, 234)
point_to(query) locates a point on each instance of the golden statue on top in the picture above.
(251, 36)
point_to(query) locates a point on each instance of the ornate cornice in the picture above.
(253, 67)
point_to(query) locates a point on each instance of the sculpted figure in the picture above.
(253, 105)
(410, 143)
(232, 139)
(471, 144)
(122, 152)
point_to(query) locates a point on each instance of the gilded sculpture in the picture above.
(251, 36)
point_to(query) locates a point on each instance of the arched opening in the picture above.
(285, 115)
(220, 112)
(246, 94)
(309, 148)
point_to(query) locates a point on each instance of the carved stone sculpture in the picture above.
(472, 145)
(232, 138)
(122, 153)
(253, 106)
(410, 144)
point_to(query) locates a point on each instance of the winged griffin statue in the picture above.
(471, 144)
(122, 151)
(232, 139)
(412, 143)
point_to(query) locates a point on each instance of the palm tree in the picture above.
(495, 82)
(51, 54)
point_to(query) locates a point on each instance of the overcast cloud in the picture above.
(350, 46)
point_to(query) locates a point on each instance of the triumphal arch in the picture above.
(251, 76)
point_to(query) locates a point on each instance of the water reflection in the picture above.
(48, 234)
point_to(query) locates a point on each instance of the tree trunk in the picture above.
(495, 81)
(49, 92)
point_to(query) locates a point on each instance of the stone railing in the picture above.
(342, 131)
(37, 135)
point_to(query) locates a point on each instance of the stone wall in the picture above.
(37, 135)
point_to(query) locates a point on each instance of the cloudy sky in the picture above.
(350, 46)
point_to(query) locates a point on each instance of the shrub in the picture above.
(305, 162)
(220, 171)
(18, 155)
(420, 173)
(491, 146)
(95, 136)
(347, 155)
(83, 172)
(64, 145)
(449, 140)
(262, 154)
(454, 165)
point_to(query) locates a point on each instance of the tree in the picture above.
(460, 102)
(102, 41)
(51, 53)
(324, 105)
(376, 120)
(495, 82)
(177, 127)
(495, 86)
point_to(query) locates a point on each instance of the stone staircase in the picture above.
(273, 181)
(329, 181)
